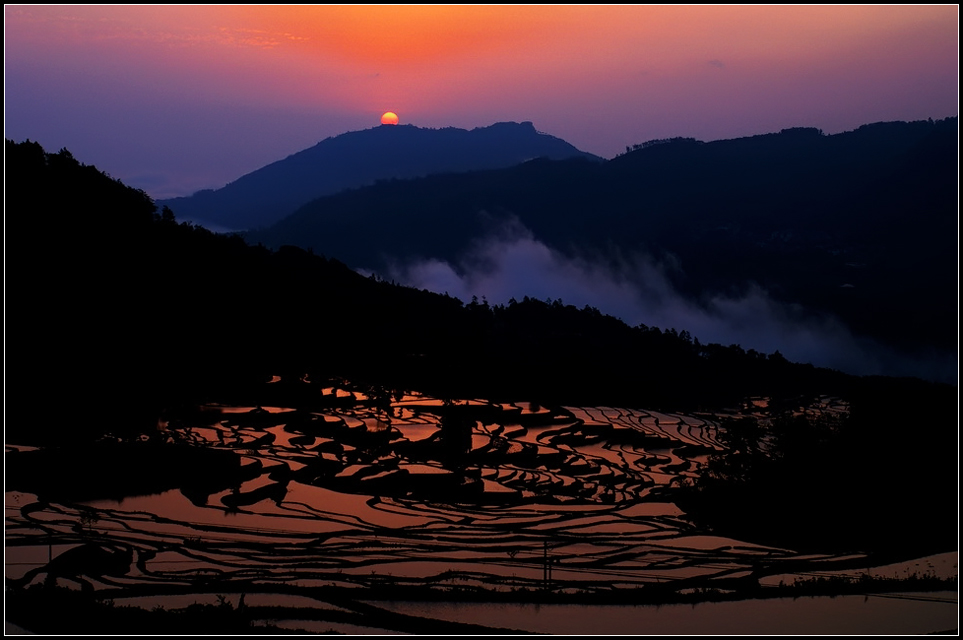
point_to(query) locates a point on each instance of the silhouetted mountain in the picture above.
(358, 158)
(861, 225)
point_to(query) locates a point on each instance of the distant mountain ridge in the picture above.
(360, 158)
(862, 225)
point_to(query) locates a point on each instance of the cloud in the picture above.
(512, 263)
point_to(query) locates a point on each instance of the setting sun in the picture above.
(677, 234)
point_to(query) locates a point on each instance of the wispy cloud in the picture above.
(137, 25)
(512, 263)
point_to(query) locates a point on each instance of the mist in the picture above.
(512, 263)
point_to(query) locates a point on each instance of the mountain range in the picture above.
(856, 229)
(839, 250)
(360, 158)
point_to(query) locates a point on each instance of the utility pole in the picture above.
(546, 567)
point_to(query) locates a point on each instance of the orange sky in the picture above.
(247, 85)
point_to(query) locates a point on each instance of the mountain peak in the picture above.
(527, 125)
(358, 158)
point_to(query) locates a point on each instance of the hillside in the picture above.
(859, 226)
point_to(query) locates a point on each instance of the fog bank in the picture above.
(512, 263)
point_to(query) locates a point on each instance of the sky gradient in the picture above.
(173, 99)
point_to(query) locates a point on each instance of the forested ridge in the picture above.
(859, 225)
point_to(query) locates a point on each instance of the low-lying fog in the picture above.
(513, 264)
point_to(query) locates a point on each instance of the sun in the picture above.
(389, 118)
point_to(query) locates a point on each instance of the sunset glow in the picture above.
(160, 95)
(482, 319)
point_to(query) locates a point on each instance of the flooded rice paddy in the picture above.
(361, 492)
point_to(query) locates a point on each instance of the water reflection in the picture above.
(407, 491)
(892, 614)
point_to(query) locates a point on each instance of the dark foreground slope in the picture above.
(359, 158)
(860, 225)
(112, 304)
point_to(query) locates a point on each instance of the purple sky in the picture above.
(174, 99)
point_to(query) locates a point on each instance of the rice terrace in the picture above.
(337, 502)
